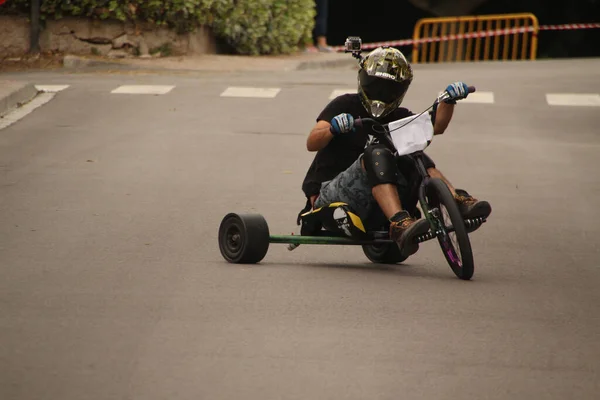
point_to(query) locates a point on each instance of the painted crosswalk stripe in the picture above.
(339, 92)
(51, 88)
(21, 112)
(250, 92)
(143, 89)
(573, 99)
(479, 97)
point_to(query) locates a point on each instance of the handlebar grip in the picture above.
(471, 89)
(360, 122)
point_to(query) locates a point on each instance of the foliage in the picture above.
(250, 27)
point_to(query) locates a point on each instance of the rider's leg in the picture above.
(386, 196)
(469, 206)
(436, 173)
(383, 176)
(350, 187)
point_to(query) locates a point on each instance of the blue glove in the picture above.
(457, 91)
(341, 124)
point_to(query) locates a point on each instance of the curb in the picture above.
(306, 65)
(17, 94)
(71, 61)
(81, 62)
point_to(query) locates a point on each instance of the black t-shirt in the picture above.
(345, 148)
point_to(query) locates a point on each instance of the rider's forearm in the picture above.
(443, 115)
(319, 138)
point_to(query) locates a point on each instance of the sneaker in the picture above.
(404, 229)
(470, 207)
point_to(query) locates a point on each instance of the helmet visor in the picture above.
(377, 108)
(381, 89)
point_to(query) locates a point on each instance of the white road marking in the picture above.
(479, 97)
(250, 92)
(51, 88)
(573, 99)
(339, 92)
(143, 89)
(18, 113)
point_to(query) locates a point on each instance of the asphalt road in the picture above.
(113, 286)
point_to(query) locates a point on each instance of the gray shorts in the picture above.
(352, 187)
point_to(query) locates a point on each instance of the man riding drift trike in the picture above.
(369, 174)
(364, 173)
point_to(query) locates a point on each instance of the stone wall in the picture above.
(14, 36)
(111, 38)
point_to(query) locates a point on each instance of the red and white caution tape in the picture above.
(470, 35)
(569, 27)
(408, 42)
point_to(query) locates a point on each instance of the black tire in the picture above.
(385, 253)
(243, 238)
(439, 196)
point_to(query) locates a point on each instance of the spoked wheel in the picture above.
(243, 239)
(452, 234)
(385, 253)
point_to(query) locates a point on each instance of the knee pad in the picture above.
(380, 165)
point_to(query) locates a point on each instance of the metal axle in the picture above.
(296, 240)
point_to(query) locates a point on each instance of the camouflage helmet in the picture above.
(383, 79)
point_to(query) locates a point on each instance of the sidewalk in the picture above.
(13, 94)
(219, 63)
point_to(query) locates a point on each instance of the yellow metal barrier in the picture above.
(503, 36)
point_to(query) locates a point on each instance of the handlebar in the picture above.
(359, 121)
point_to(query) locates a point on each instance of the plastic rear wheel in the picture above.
(385, 253)
(243, 238)
(455, 245)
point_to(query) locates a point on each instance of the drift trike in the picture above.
(245, 238)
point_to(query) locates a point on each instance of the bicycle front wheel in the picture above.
(452, 234)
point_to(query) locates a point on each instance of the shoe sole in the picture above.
(421, 227)
(482, 210)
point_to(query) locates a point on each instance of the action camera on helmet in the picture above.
(353, 44)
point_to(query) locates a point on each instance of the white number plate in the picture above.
(414, 136)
